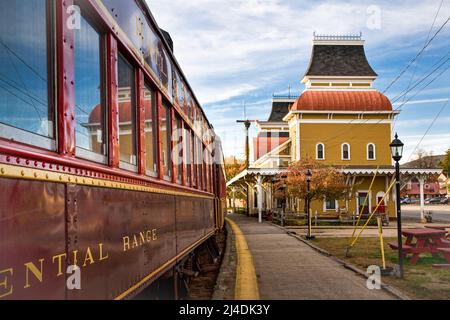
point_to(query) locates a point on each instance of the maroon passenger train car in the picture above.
(107, 161)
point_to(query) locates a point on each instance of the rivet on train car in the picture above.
(60, 178)
(35, 175)
(8, 159)
(43, 165)
(27, 162)
(22, 173)
(2, 170)
(18, 160)
(36, 163)
(46, 176)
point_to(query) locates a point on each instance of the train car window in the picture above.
(188, 156)
(90, 114)
(151, 128)
(27, 112)
(194, 160)
(127, 115)
(166, 141)
(200, 164)
(178, 140)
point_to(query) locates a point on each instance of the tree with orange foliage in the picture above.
(326, 182)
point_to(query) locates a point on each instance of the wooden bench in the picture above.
(446, 253)
(406, 248)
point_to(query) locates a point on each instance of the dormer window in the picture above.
(320, 151)
(345, 151)
(371, 153)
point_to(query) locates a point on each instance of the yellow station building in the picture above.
(340, 120)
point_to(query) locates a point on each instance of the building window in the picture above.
(151, 130)
(371, 153)
(320, 151)
(127, 115)
(345, 151)
(165, 122)
(330, 205)
(90, 115)
(27, 112)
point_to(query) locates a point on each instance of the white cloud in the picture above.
(231, 50)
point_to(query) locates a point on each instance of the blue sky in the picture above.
(246, 50)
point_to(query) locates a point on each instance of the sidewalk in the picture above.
(288, 269)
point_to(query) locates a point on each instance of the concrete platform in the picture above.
(288, 269)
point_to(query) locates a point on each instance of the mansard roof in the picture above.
(336, 60)
(279, 111)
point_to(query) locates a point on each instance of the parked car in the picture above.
(409, 201)
(433, 201)
(445, 200)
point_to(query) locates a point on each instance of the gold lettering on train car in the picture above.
(135, 242)
(4, 283)
(101, 256)
(59, 257)
(88, 257)
(142, 235)
(138, 240)
(75, 258)
(30, 266)
(126, 244)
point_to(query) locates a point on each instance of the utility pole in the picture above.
(247, 123)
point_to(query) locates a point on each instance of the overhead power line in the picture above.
(417, 56)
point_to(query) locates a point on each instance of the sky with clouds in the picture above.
(246, 50)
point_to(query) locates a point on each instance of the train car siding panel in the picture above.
(116, 238)
(32, 230)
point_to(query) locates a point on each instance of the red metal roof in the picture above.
(342, 101)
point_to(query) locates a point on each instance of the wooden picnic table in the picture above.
(440, 227)
(427, 241)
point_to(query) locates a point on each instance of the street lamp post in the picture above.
(397, 153)
(309, 235)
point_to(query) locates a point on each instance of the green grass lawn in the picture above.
(421, 281)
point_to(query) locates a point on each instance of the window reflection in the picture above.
(24, 55)
(165, 129)
(179, 142)
(188, 156)
(150, 130)
(89, 108)
(127, 113)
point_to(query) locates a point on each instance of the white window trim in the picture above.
(330, 210)
(128, 166)
(374, 151)
(349, 151)
(91, 156)
(29, 138)
(317, 151)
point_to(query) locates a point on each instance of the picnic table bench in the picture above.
(440, 227)
(427, 241)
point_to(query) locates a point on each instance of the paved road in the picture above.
(288, 269)
(440, 213)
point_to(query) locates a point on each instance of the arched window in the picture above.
(345, 151)
(320, 151)
(371, 152)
